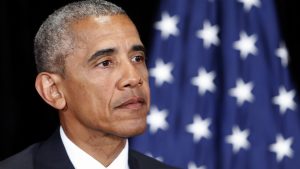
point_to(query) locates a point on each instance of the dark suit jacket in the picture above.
(51, 154)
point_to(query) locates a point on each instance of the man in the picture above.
(91, 65)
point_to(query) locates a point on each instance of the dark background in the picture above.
(24, 117)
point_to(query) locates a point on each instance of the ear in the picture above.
(46, 85)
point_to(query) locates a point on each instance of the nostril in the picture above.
(140, 82)
(127, 85)
(132, 83)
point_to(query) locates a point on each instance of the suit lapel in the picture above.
(52, 154)
(133, 161)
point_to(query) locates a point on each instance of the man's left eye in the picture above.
(138, 59)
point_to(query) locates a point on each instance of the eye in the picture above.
(105, 63)
(138, 59)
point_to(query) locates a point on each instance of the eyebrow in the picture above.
(138, 48)
(101, 53)
(110, 51)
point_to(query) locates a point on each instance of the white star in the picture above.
(283, 54)
(199, 128)
(192, 165)
(204, 81)
(209, 34)
(285, 100)
(157, 119)
(282, 147)
(162, 72)
(249, 3)
(238, 139)
(246, 45)
(167, 25)
(242, 92)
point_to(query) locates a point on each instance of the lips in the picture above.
(132, 103)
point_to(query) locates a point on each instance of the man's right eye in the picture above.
(105, 63)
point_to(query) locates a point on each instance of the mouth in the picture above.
(133, 103)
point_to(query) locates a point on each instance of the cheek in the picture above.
(144, 72)
(95, 111)
(101, 101)
(88, 97)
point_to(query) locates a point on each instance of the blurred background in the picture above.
(26, 119)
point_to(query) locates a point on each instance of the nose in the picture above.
(130, 77)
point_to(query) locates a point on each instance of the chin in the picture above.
(132, 129)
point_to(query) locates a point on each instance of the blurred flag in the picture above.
(222, 97)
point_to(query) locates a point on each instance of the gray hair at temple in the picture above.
(54, 42)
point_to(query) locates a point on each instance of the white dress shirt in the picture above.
(82, 160)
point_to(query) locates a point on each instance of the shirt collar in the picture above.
(82, 160)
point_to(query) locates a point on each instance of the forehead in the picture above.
(94, 26)
(94, 34)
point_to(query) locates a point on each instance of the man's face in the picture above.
(106, 79)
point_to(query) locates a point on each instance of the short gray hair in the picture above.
(54, 42)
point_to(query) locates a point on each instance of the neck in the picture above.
(103, 147)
